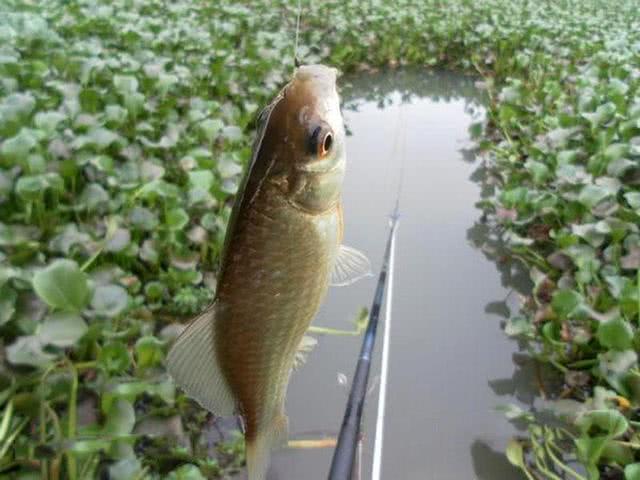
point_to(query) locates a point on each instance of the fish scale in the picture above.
(271, 326)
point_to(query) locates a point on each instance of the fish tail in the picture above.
(258, 447)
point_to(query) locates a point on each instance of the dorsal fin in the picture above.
(250, 182)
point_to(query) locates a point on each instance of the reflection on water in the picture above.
(450, 363)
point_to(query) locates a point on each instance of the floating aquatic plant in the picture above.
(124, 127)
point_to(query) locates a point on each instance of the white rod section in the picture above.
(384, 374)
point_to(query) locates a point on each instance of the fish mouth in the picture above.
(322, 166)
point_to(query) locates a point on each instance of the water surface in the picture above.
(450, 363)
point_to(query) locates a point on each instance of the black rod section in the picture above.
(344, 454)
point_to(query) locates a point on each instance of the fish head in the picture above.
(306, 139)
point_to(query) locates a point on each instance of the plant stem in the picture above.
(589, 362)
(44, 467)
(334, 331)
(12, 437)
(72, 465)
(560, 464)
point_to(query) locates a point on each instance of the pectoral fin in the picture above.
(194, 366)
(351, 265)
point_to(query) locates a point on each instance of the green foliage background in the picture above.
(124, 127)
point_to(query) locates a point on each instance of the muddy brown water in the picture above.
(450, 362)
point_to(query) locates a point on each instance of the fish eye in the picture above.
(321, 141)
(326, 144)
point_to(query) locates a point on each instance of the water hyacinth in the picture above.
(123, 131)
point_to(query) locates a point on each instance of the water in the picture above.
(450, 363)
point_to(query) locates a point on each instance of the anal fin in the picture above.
(194, 366)
(280, 431)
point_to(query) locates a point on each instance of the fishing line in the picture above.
(296, 61)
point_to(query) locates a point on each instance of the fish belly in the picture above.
(275, 275)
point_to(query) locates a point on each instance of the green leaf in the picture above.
(201, 179)
(613, 366)
(591, 195)
(143, 218)
(603, 114)
(118, 240)
(114, 358)
(566, 302)
(616, 334)
(93, 196)
(90, 446)
(28, 350)
(186, 472)
(98, 137)
(538, 170)
(121, 418)
(32, 187)
(18, 147)
(62, 329)
(149, 352)
(616, 151)
(518, 326)
(232, 133)
(125, 469)
(125, 84)
(610, 422)
(633, 198)
(632, 471)
(109, 300)
(176, 219)
(514, 453)
(8, 298)
(62, 285)
(590, 449)
(211, 127)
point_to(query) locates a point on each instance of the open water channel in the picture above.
(450, 362)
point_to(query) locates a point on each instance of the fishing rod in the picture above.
(344, 455)
(345, 452)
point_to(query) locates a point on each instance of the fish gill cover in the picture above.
(124, 128)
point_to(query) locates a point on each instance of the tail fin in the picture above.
(193, 364)
(258, 449)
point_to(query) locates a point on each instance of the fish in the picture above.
(282, 250)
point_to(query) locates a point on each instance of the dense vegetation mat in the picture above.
(124, 127)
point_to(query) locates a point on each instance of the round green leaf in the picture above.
(28, 351)
(632, 471)
(177, 219)
(609, 422)
(186, 472)
(109, 300)
(62, 285)
(62, 329)
(565, 302)
(616, 334)
(121, 418)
